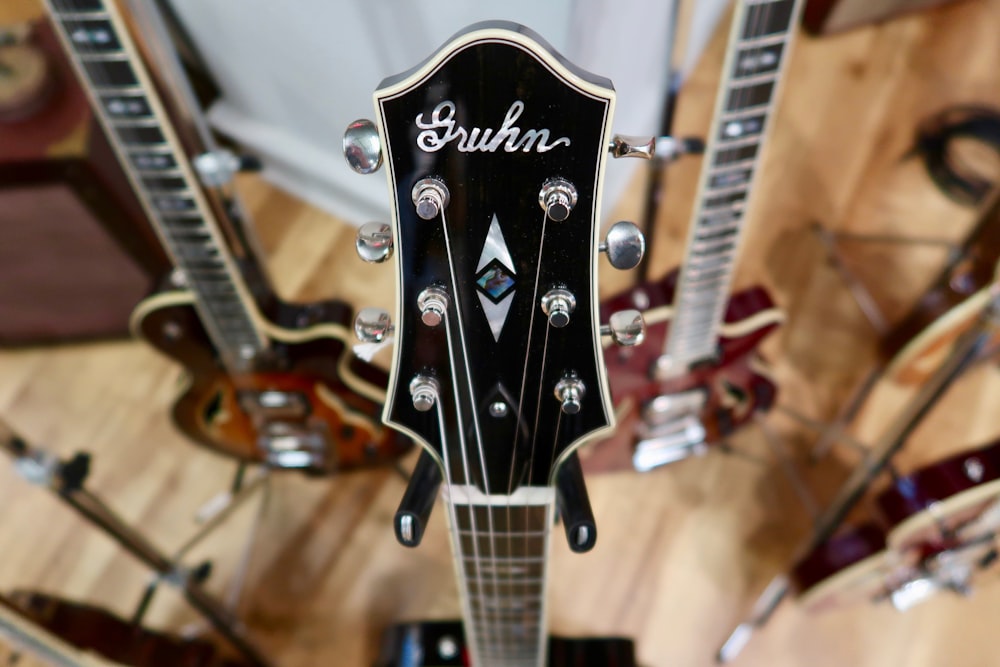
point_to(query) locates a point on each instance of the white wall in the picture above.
(295, 73)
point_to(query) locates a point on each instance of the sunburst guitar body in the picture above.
(308, 404)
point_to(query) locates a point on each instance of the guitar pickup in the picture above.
(273, 404)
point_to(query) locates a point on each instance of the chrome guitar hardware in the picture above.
(626, 328)
(424, 390)
(430, 196)
(666, 149)
(292, 445)
(557, 198)
(558, 304)
(432, 303)
(216, 168)
(374, 242)
(570, 392)
(372, 325)
(624, 245)
(362, 147)
(669, 442)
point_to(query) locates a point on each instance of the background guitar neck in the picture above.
(148, 146)
(758, 43)
(38, 641)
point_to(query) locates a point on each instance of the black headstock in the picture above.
(495, 150)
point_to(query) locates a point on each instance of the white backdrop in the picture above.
(295, 73)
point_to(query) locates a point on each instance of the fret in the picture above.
(126, 107)
(160, 183)
(139, 135)
(118, 90)
(93, 35)
(712, 234)
(500, 533)
(722, 190)
(729, 199)
(111, 74)
(768, 19)
(95, 57)
(738, 154)
(749, 96)
(78, 5)
(753, 61)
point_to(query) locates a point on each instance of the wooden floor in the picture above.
(682, 551)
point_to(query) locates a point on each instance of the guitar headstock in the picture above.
(495, 151)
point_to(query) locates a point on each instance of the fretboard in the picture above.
(137, 125)
(501, 552)
(758, 44)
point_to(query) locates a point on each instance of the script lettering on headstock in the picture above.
(442, 130)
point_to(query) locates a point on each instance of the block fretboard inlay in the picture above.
(151, 155)
(754, 62)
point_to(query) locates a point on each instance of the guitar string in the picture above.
(477, 432)
(522, 588)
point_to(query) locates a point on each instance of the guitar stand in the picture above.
(967, 350)
(834, 432)
(66, 479)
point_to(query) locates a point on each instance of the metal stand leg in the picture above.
(780, 452)
(862, 296)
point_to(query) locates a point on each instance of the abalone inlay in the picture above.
(496, 279)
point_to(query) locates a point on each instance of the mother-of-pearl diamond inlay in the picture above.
(496, 279)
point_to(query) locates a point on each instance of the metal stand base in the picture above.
(66, 480)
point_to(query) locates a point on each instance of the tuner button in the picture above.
(626, 328)
(570, 392)
(433, 303)
(623, 145)
(372, 325)
(374, 242)
(557, 198)
(624, 245)
(424, 391)
(558, 304)
(362, 147)
(430, 196)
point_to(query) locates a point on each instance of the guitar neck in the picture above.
(148, 146)
(501, 547)
(758, 46)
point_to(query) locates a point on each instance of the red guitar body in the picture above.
(734, 386)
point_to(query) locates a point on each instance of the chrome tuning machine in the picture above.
(374, 242)
(660, 148)
(626, 328)
(373, 325)
(624, 245)
(362, 147)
